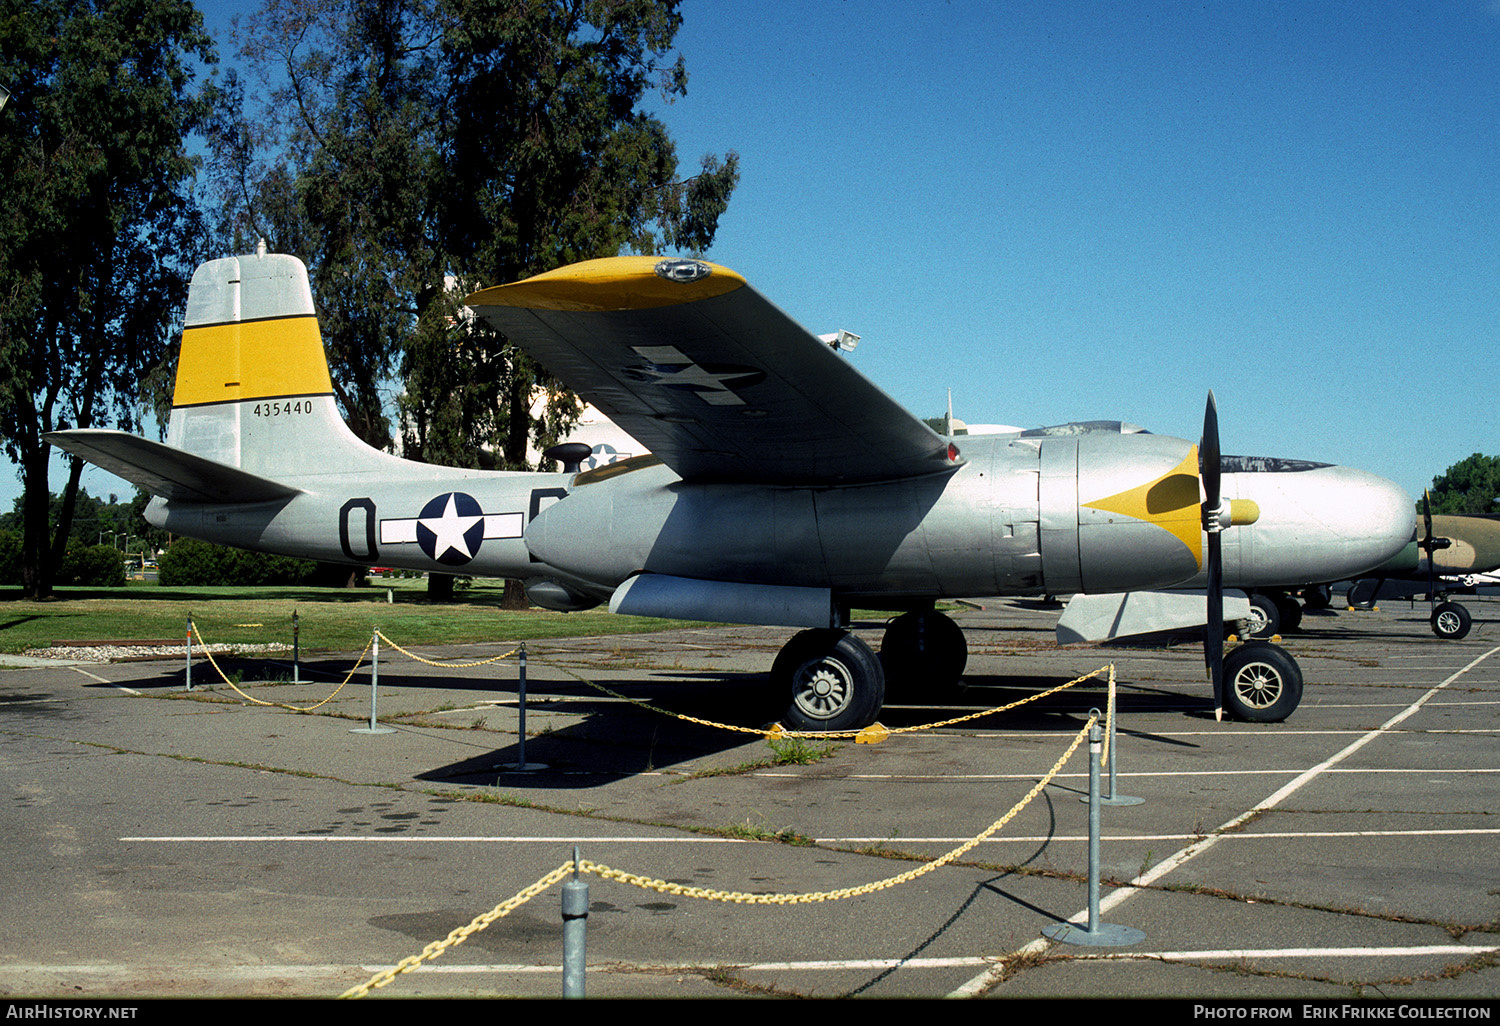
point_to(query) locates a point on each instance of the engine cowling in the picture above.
(1118, 512)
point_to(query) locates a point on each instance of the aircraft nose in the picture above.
(1317, 523)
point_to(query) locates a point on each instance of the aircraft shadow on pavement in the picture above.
(607, 739)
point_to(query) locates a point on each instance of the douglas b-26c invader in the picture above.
(782, 487)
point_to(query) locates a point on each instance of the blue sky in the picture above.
(1089, 210)
(1078, 210)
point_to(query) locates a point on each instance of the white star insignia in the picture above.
(449, 530)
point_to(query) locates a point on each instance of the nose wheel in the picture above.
(1262, 683)
(1451, 621)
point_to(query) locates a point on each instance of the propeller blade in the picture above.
(1210, 468)
(1208, 452)
(1213, 631)
(1429, 546)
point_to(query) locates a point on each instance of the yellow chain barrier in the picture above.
(459, 935)
(350, 676)
(742, 898)
(867, 735)
(450, 666)
(279, 705)
(875, 732)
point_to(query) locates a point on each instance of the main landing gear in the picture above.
(1272, 613)
(831, 680)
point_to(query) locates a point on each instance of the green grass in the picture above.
(335, 619)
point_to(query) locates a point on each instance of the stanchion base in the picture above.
(1119, 799)
(1105, 935)
(373, 730)
(518, 767)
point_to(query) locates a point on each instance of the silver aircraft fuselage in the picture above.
(1019, 516)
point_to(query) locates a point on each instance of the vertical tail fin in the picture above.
(253, 389)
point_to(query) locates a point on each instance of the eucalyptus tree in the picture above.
(411, 150)
(1470, 487)
(98, 225)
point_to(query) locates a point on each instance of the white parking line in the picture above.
(326, 971)
(983, 981)
(705, 839)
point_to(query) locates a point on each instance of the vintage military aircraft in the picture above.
(1443, 551)
(782, 487)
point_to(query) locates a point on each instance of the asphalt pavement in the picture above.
(165, 843)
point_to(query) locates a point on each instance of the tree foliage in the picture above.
(1468, 488)
(413, 150)
(95, 521)
(98, 230)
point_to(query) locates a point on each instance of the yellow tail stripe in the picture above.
(251, 360)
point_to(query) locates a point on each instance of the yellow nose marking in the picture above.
(1171, 502)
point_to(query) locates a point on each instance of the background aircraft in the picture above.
(1441, 547)
(782, 488)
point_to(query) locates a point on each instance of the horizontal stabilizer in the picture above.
(166, 471)
(1123, 614)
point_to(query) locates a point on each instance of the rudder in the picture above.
(251, 351)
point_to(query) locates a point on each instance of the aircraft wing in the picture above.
(709, 375)
(167, 471)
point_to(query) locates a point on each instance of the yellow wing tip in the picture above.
(614, 283)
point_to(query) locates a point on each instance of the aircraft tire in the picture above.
(1290, 611)
(830, 680)
(1262, 683)
(924, 654)
(1317, 596)
(1451, 621)
(1264, 619)
(1362, 593)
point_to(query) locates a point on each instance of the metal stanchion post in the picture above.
(521, 765)
(575, 914)
(296, 668)
(521, 703)
(1111, 797)
(188, 648)
(374, 690)
(1098, 934)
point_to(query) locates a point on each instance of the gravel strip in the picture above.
(118, 653)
